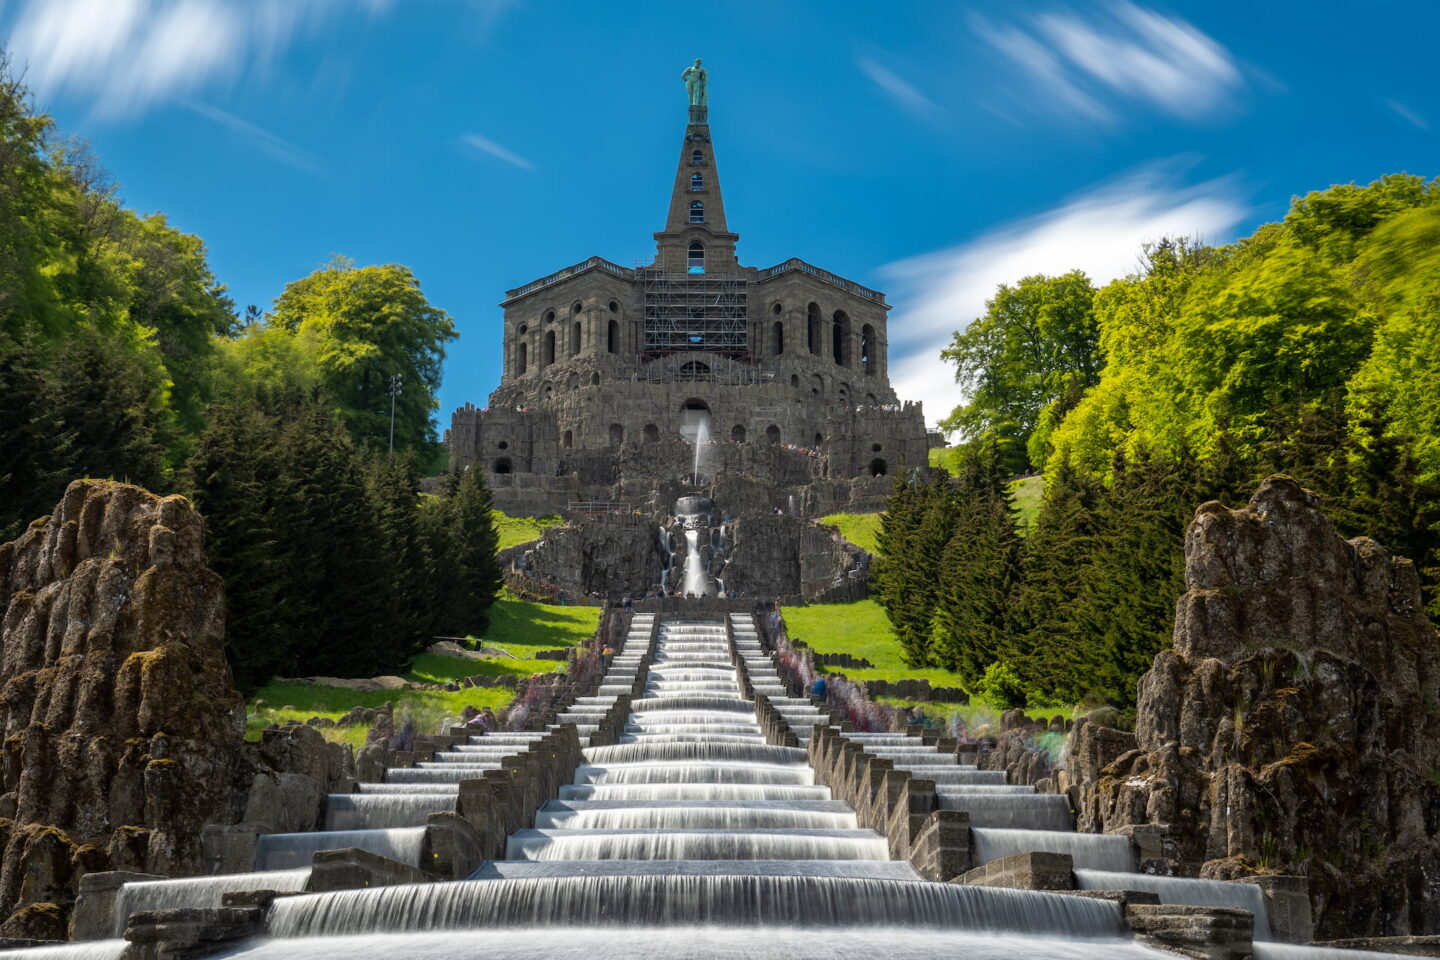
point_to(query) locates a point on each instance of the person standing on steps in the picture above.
(819, 688)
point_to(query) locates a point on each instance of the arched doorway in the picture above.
(877, 467)
(772, 433)
(617, 434)
(501, 466)
(737, 433)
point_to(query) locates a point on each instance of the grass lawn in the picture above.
(425, 706)
(981, 719)
(515, 626)
(861, 529)
(1027, 493)
(518, 530)
(944, 458)
(860, 629)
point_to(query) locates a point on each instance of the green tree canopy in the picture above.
(1030, 356)
(362, 326)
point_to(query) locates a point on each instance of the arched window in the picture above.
(522, 355)
(697, 257)
(867, 350)
(697, 181)
(594, 379)
(813, 324)
(548, 357)
(840, 338)
(568, 440)
(777, 338)
(737, 433)
(870, 399)
(577, 307)
(612, 337)
(575, 339)
(877, 467)
(549, 315)
(697, 158)
(652, 433)
(617, 434)
(697, 212)
(502, 465)
(819, 439)
(843, 392)
(795, 381)
(694, 370)
(772, 433)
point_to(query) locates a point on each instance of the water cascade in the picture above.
(693, 822)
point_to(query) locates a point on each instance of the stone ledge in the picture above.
(1025, 871)
(1202, 933)
(190, 933)
(352, 868)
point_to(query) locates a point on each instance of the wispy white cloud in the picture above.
(1407, 114)
(898, 88)
(1124, 55)
(262, 139)
(489, 146)
(1099, 232)
(123, 56)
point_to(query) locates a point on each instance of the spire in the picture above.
(697, 208)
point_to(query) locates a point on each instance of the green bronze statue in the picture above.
(694, 78)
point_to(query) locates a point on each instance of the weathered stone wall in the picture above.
(1294, 726)
(123, 731)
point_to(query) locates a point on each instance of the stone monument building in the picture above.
(613, 374)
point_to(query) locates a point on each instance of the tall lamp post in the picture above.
(394, 392)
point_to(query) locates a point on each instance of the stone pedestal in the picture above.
(230, 848)
(1287, 904)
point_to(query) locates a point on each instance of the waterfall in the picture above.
(199, 891)
(1200, 893)
(783, 941)
(696, 583)
(693, 837)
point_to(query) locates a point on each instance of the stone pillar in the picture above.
(94, 914)
(453, 848)
(1025, 871)
(940, 848)
(230, 848)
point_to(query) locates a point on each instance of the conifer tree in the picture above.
(472, 572)
(978, 569)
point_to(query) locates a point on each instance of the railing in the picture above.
(570, 271)
(795, 263)
(600, 506)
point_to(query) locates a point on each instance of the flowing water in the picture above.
(200, 891)
(692, 837)
(1200, 893)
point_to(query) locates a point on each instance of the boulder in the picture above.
(1293, 727)
(118, 705)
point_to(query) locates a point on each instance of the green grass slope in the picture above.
(861, 529)
(517, 627)
(514, 531)
(860, 629)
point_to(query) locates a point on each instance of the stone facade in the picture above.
(606, 368)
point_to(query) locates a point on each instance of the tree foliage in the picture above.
(1309, 348)
(122, 356)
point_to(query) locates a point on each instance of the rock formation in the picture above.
(1295, 725)
(123, 730)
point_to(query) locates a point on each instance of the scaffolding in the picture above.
(686, 312)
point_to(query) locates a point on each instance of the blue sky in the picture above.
(930, 149)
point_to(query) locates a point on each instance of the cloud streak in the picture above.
(266, 142)
(1407, 114)
(1099, 232)
(1127, 55)
(125, 56)
(898, 89)
(486, 145)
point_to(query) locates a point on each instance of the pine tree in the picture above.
(472, 574)
(393, 486)
(978, 570)
(919, 521)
